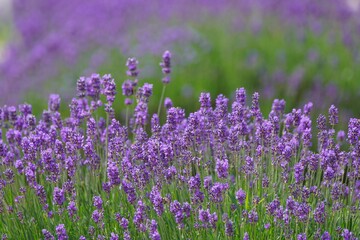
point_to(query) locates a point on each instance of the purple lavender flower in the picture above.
(205, 100)
(347, 235)
(329, 173)
(302, 211)
(204, 215)
(113, 173)
(81, 87)
(241, 196)
(253, 217)
(154, 233)
(54, 102)
(194, 182)
(97, 216)
(109, 88)
(47, 235)
(325, 236)
(229, 228)
(114, 236)
(176, 210)
(127, 235)
(186, 209)
(298, 172)
(208, 219)
(11, 110)
(141, 113)
(255, 108)
(222, 166)
(168, 103)
(166, 66)
(301, 236)
(246, 236)
(208, 182)
(72, 208)
(341, 136)
(61, 232)
(145, 92)
(132, 65)
(97, 201)
(333, 115)
(353, 131)
(267, 226)
(129, 190)
(124, 223)
(139, 216)
(217, 191)
(59, 196)
(127, 88)
(319, 213)
(157, 201)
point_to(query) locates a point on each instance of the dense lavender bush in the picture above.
(211, 174)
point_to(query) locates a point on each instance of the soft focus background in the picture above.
(297, 50)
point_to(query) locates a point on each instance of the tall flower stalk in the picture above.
(166, 70)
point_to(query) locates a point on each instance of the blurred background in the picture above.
(299, 50)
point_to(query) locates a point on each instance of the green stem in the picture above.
(161, 99)
(127, 117)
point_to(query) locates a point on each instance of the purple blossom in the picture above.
(113, 173)
(59, 196)
(132, 65)
(194, 182)
(246, 236)
(320, 213)
(97, 216)
(176, 210)
(166, 66)
(114, 236)
(325, 236)
(241, 196)
(168, 103)
(61, 232)
(253, 216)
(157, 201)
(347, 235)
(301, 236)
(222, 166)
(154, 233)
(54, 102)
(97, 201)
(72, 209)
(217, 191)
(139, 216)
(333, 115)
(229, 228)
(208, 219)
(127, 88)
(47, 235)
(267, 226)
(124, 223)
(129, 190)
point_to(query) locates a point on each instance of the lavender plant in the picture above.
(218, 173)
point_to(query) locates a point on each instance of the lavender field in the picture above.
(214, 174)
(247, 127)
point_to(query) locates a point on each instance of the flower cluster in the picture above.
(219, 171)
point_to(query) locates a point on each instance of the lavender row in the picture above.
(220, 172)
